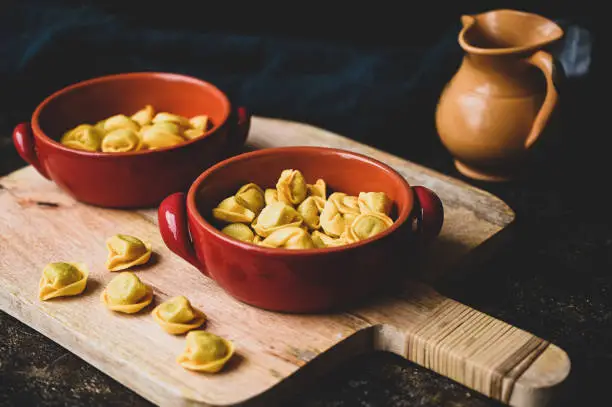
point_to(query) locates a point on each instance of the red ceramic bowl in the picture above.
(310, 280)
(132, 179)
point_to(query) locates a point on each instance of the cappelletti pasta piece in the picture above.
(191, 134)
(100, 126)
(161, 135)
(319, 189)
(126, 293)
(205, 352)
(251, 196)
(231, 211)
(120, 121)
(275, 216)
(333, 221)
(338, 213)
(367, 225)
(83, 137)
(173, 118)
(121, 141)
(310, 211)
(177, 316)
(291, 187)
(270, 196)
(199, 122)
(62, 279)
(125, 251)
(168, 127)
(322, 240)
(374, 202)
(346, 204)
(144, 116)
(291, 237)
(239, 231)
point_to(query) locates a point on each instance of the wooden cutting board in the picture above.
(277, 354)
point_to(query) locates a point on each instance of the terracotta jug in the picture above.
(496, 105)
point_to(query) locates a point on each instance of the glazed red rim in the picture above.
(125, 76)
(402, 217)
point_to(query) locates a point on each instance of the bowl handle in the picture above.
(239, 130)
(24, 144)
(429, 213)
(172, 220)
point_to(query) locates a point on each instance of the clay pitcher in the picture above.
(496, 105)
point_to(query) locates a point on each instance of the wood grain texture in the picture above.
(276, 353)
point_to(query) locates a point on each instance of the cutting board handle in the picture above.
(172, 219)
(472, 348)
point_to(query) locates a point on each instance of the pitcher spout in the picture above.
(467, 21)
(507, 31)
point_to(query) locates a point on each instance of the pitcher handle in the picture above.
(544, 61)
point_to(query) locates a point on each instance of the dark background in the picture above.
(372, 72)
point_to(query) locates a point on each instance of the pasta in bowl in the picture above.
(299, 215)
(131, 139)
(143, 130)
(284, 229)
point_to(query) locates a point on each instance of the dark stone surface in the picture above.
(554, 279)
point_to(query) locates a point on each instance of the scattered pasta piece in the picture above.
(205, 352)
(176, 315)
(62, 279)
(125, 251)
(126, 293)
